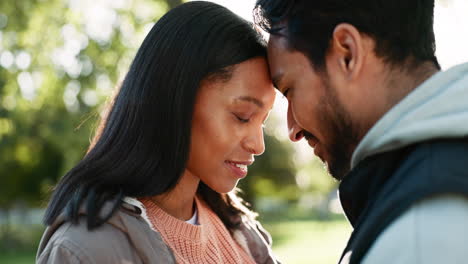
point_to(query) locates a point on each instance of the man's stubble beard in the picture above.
(343, 134)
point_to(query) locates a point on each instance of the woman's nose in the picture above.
(255, 143)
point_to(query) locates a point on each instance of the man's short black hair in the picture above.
(402, 29)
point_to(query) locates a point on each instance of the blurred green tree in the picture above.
(59, 61)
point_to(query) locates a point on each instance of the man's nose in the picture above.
(294, 130)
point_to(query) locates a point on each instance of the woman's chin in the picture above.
(224, 188)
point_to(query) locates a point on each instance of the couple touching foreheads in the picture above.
(365, 90)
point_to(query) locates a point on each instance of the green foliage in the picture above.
(17, 258)
(55, 75)
(17, 239)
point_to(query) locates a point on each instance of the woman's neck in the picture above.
(179, 202)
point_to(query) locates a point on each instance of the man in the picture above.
(365, 90)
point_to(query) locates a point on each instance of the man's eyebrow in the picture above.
(251, 100)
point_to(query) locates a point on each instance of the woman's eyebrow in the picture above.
(251, 100)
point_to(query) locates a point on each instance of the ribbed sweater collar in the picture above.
(175, 226)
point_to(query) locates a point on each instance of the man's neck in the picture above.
(398, 82)
(403, 80)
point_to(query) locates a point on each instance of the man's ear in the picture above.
(347, 50)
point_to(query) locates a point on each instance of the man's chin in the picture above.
(334, 168)
(338, 170)
(318, 153)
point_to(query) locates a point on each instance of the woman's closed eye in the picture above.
(242, 119)
(247, 120)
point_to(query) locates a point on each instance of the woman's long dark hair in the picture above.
(141, 147)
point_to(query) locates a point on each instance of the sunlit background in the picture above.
(59, 62)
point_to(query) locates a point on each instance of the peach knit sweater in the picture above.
(209, 242)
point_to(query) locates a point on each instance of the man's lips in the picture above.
(308, 136)
(313, 143)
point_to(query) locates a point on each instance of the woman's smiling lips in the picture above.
(239, 168)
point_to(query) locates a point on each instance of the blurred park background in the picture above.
(59, 62)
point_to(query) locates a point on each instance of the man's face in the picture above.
(314, 111)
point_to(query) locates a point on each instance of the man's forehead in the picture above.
(278, 42)
(277, 53)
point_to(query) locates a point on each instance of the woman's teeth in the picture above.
(242, 166)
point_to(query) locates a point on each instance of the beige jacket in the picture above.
(128, 238)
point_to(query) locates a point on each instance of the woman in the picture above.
(155, 185)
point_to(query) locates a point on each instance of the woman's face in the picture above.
(227, 126)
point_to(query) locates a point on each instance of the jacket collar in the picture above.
(359, 188)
